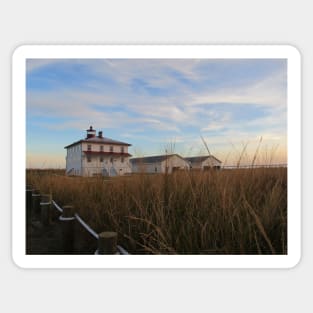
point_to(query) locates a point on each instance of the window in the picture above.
(122, 149)
(101, 148)
(122, 159)
(111, 160)
(89, 159)
(155, 169)
(101, 159)
(89, 147)
(111, 148)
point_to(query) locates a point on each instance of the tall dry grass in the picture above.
(241, 211)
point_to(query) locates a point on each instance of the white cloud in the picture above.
(34, 64)
(270, 91)
(136, 113)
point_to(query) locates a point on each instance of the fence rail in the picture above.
(87, 227)
(255, 166)
(77, 236)
(57, 207)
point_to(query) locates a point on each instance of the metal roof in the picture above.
(153, 159)
(198, 159)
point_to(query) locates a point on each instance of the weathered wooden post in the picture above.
(68, 223)
(45, 209)
(107, 243)
(29, 191)
(35, 202)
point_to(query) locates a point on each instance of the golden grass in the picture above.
(239, 211)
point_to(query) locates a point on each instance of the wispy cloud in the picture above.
(159, 99)
(270, 91)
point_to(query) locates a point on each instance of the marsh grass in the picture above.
(238, 211)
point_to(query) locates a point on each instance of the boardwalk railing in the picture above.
(77, 237)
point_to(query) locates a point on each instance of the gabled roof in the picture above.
(102, 140)
(199, 159)
(154, 159)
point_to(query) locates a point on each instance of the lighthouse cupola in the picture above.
(91, 132)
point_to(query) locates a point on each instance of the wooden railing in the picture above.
(77, 237)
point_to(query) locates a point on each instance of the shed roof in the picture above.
(198, 159)
(153, 159)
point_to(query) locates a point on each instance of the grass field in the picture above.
(239, 211)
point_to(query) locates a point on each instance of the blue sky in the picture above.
(158, 105)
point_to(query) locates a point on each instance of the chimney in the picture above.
(91, 132)
(100, 134)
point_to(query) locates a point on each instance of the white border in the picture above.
(155, 51)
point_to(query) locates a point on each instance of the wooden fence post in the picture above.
(68, 223)
(45, 209)
(107, 243)
(35, 202)
(29, 191)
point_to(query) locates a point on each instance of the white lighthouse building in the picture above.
(97, 155)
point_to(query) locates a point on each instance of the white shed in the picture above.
(159, 164)
(204, 162)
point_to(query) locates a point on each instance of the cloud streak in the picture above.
(159, 99)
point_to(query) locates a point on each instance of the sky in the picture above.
(238, 107)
